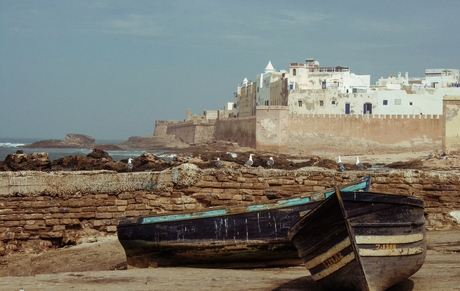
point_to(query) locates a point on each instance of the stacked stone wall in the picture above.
(41, 210)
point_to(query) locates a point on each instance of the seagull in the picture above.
(270, 162)
(340, 165)
(249, 162)
(218, 162)
(358, 164)
(129, 165)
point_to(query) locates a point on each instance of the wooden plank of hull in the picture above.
(366, 245)
(256, 237)
(229, 237)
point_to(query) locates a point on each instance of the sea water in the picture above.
(11, 145)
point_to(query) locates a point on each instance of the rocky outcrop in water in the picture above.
(73, 140)
(26, 162)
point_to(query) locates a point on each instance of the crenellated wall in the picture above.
(348, 134)
(389, 129)
(40, 210)
(275, 129)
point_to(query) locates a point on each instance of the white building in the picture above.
(270, 87)
(308, 88)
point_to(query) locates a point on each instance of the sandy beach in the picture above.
(99, 266)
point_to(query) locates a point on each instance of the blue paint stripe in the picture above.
(258, 207)
(175, 217)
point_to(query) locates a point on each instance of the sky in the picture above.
(111, 68)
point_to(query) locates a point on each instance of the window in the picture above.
(300, 103)
(291, 86)
(410, 103)
(333, 102)
(347, 108)
(294, 72)
(397, 101)
(321, 103)
(367, 109)
(385, 102)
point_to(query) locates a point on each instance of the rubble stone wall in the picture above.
(39, 210)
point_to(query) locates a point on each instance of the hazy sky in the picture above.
(110, 68)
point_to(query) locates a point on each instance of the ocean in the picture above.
(11, 145)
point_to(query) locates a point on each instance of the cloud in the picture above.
(135, 24)
(301, 18)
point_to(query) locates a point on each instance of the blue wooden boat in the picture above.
(230, 237)
(362, 241)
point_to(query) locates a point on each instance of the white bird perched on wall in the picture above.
(218, 162)
(249, 162)
(340, 164)
(129, 165)
(358, 164)
(270, 162)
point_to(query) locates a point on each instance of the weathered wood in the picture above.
(234, 236)
(362, 241)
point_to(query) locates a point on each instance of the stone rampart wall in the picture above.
(193, 131)
(451, 133)
(387, 129)
(359, 134)
(40, 210)
(239, 130)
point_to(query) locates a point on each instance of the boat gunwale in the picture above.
(362, 183)
(407, 200)
(369, 197)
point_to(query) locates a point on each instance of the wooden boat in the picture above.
(231, 237)
(362, 241)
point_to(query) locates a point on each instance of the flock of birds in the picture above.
(269, 163)
(341, 167)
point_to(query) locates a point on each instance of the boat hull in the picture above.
(232, 237)
(362, 241)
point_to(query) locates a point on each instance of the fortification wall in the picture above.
(240, 130)
(275, 129)
(278, 130)
(272, 131)
(389, 129)
(193, 131)
(40, 210)
(451, 133)
(160, 128)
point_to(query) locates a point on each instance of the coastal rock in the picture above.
(26, 162)
(96, 160)
(71, 141)
(100, 160)
(81, 139)
(153, 142)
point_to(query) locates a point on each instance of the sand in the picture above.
(90, 266)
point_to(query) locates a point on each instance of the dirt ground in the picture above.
(100, 266)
